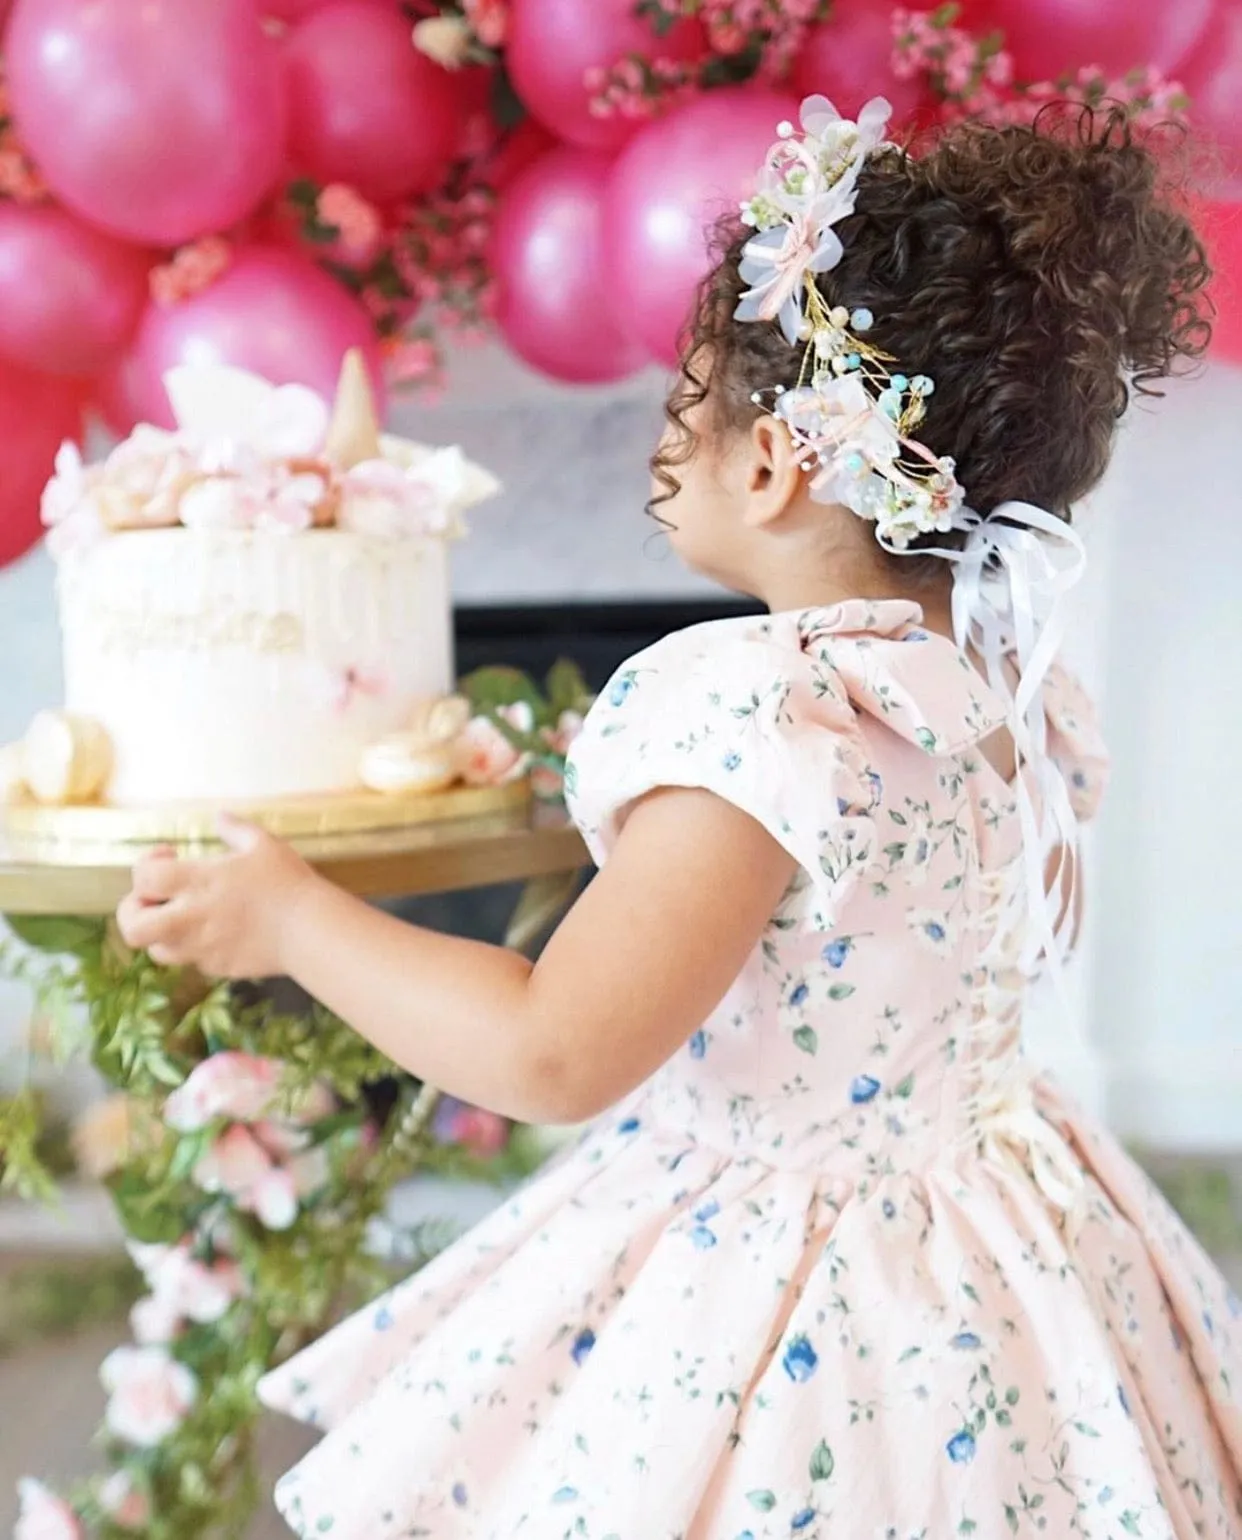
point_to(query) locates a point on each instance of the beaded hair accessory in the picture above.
(852, 413)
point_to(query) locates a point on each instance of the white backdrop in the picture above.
(1152, 1037)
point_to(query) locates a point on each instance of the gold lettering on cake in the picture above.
(128, 632)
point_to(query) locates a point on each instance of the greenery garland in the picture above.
(273, 1281)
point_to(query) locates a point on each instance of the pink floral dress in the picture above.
(844, 1267)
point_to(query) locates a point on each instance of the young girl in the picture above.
(830, 1261)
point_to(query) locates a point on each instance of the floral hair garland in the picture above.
(851, 413)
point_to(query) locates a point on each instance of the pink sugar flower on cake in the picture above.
(44, 1516)
(124, 1501)
(240, 1086)
(70, 508)
(149, 1394)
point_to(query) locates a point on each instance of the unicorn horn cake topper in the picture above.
(353, 435)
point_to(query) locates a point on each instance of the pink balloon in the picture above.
(523, 147)
(668, 188)
(365, 107)
(548, 260)
(70, 296)
(553, 44)
(849, 60)
(37, 414)
(1221, 226)
(158, 120)
(1212, 76)
(273, 312)
(1050, 37)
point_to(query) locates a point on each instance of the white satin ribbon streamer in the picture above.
(1009, 586)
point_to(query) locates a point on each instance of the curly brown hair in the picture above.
(1038, 273)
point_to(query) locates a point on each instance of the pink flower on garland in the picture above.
(149, 1394)
(240, 1086)
(192, 269)
(125, 1503)
(358, 223)
(44, 1516)
(487, 758)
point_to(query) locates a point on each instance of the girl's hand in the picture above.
(225, 916)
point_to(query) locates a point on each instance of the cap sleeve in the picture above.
(750, 719)
(1075, 741)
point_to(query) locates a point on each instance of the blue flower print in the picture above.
(1209, 1325)
(565, 1495)
(731, 760)
(917, 636)
(1234, 1304)
(961, 1447)
(1123, 1399)
(877, 788)
(1079, 778)
(801, 1519)
(965, 1341)
(864, 1089)
(935, 930)
(580, 1350)
(837, 952)
(844, 807)
(622, 688)
(889, 1209)
(383, 1319)
(460, 1496)
(701, 1238)
(629, 1125)
(698, 1044)
(1106, 1496)
(798, 996)
(709, 1211)
(801, 1360)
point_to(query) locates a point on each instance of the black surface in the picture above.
(597, 637)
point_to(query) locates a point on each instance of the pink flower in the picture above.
(358, 222)
(149, 1394)
(192, 269)
(489, 20)
(184, 1286)
(486, 757)
(235, 1085)
(155, 1321)
(239, 1166)
(408, 361)
(124, 1501)
(568, 726)
(482, 1133)
(44, 1516)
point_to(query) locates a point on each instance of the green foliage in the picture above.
(145, 1028)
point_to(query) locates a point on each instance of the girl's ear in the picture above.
(773, 475)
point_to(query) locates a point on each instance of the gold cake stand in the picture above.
(77, 860)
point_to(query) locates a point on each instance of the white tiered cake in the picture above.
(250, 603)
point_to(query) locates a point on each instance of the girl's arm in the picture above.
(636, 966)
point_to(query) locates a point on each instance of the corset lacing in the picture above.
(1002, 1120)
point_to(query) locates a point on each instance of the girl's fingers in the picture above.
(144, 925)
(158, 878)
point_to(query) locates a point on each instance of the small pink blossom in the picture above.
(410, 362)
(520, 716)
(149, 1394)
(44, 1516)
(241, 1086)
(482, 1133)
(489, 20)
(568, 726)
(192, 269)
(155, 1321)
(239, 1166)
(486, 757)
(358, 222)
(124, 1501)
(189, 1288)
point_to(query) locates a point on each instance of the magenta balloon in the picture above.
(158, 120)
(273, 312)
(849, 60)
(1212, 76)
(668, 188)
(552, 45)
(365, 107)
(37, 413)
(1050, 37)
(548, 260)
(70, 296)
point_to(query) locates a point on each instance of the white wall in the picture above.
(1158, 629)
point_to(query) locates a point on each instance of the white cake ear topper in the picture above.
(353, 435)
